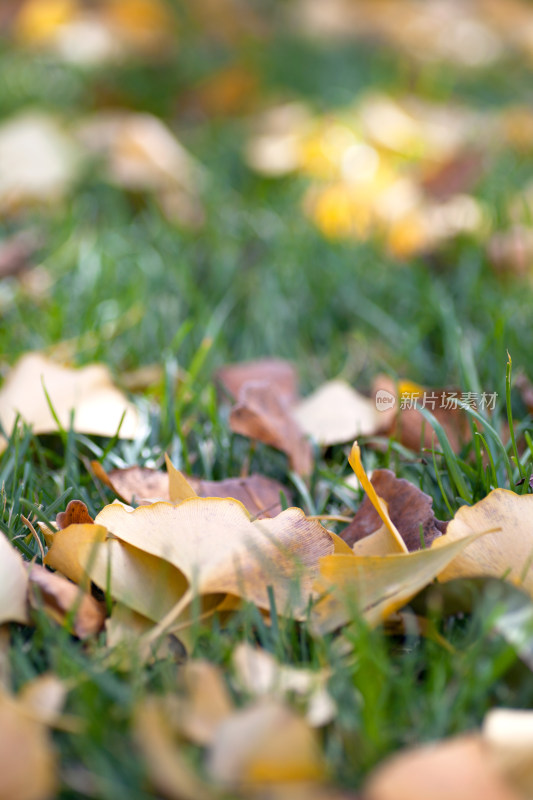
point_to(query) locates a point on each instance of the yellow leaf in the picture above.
(265, 744)
(97, 404)
(68, 553)
(508, 552)
(219, 550)
(397, 544)
(336, 413)
(27, 760)
(179, 487)
(375, 587)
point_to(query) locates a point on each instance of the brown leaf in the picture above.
(262, 413)
(409, 508)
(61, 597)
(409, 426)
(16, 252)
(457, 175)
(277, 373)
(457, 769)
(140, 485)
(76, 512)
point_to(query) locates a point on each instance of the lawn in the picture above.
(167, 278)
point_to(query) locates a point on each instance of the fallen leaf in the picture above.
(336, 413)
(44, 698)
(13, 584)
(374, 587)
(179, 487)
(75, 513)
(205, 704)
(259, 674)
(167, 767)
(507, 553)
(456, 175)
(280, 375)
(140, 485)
(508, 736)
(38, 161)
(98, 406)
(409, 508)
(28, 768)
(228, 92)
(265, 744)
(220, 550)
(62, 599)
(67, 546)
(510, 252)
(456, 769)
(261, 413)
(141, 154)
(402, 419)
(16, 252)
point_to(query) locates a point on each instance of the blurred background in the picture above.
(348, 184)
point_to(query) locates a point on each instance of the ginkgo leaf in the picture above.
(178, 486)
(390, 540)
(506, 553)
(168, 769)
(336, 413)
(508, 737)
(98, 407)
(69, 545)
(28, 769)
(259, 674)
(374, 587)
(205, 704)
(409, 509)
(140, 485)
(13, 584)
(456, 769)
(220, 550)
(38, 161)
(60, 599)
(265, 743)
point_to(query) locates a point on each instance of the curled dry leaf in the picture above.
(409, 508)
(28, 769)
(98, 407)
(408, 425)
(265, 743)
(75, 513)
(506, 553)
(60, 598)
(382, 575)
(261, 414)
(13, 584)
(457, 769)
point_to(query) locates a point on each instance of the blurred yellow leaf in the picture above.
(13, 584)
(97, 405)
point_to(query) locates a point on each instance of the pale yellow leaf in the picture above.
(265, 743)
(336, 413)
(506, 553)
(13, 584)
(179, 487)
(68, 551)
(97, 405)
(508, 736)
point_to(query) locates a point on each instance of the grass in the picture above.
(129, 288)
